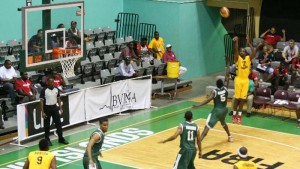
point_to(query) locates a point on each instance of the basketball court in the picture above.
(272, 143)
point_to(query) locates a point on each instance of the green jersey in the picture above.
(188, 135)
(97, 145)
(220, 99)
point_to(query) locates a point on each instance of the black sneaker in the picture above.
(2, 127)
(230, 113)
(63, 141)
(248, 114)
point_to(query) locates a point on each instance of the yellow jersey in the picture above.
(243, 67)
(158, 45)
(245, 165)
(40, 159)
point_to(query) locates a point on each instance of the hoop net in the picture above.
(68, 67)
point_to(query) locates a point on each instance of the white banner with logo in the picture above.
(97, 102)
(118, 97)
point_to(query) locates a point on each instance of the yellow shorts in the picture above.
(241, 86)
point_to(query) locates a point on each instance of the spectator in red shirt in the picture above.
(169, 56)
(280, 77)
(59, 82)
(144, 52)
(25, 89)
(271, 38)
(295, 69)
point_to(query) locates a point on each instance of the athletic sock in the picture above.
(234, 113)
(240, 113)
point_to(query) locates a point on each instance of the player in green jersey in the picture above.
(90, 158)
(189, 132)
(219, 112)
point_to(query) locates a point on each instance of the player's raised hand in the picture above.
(162, 142)
(235, 39)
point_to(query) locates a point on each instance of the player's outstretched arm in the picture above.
(91, 143)
(199, 144)
(175, 135)
(26, 165)
(211, 96)
(236, 48)
(53, 163)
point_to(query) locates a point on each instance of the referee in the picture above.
(49, 97)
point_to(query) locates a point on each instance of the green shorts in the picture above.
(217, 114)
(185, 159)
(85, 162)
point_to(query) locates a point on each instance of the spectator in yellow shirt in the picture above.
(157, 46)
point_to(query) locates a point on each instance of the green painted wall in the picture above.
(194, 30)
(99, 13)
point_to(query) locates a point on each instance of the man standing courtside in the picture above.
(189, 132)
(49, 97)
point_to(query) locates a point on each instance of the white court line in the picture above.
(121, 164)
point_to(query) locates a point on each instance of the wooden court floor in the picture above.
(133, 142)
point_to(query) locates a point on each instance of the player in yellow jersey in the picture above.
(241, 81)
(42, 159)
(244, 163)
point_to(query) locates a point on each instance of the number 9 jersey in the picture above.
(40, 159)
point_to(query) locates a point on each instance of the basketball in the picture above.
(224, 12)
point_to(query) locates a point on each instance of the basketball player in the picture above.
(220, 110)
(42, 159)
(90, 158)
(189, 132)
(243, 163)
(241, 81)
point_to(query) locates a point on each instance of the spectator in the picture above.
(271, 38)
(59, 82)
(74, 33)
(295, 69)
(25, 89)
(54, 41)
(290, 52)
(8, 77)
(126, 70)
(144, 52)
(265, 58)
(279, 78)
(60, 35)
(129, 51)
(169, 56)
(157, 46)
(243, 154)
(35, 42)
(253, 84)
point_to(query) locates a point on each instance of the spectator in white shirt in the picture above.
(7, 77)
(290, 52)
(126, 70)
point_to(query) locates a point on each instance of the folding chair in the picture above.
(262, 97)
(279, 95)
(106, 77)
(293, 103)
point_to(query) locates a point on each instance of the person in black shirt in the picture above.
(49, 97)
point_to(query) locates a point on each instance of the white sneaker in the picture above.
(230, 139)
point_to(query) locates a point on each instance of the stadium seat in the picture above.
(110, 61)
(86, 69)
(109, 34)
(91, 49)
(106, 77)
(3, 49)
(256, 41)
(99, 34)
(98, 64)
(293, 102)
(280, 45)
(111, 47)
(128, 39)
(14, 47)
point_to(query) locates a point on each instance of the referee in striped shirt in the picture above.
(49, 97)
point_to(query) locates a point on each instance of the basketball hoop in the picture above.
(67, 64)
(68, 67)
